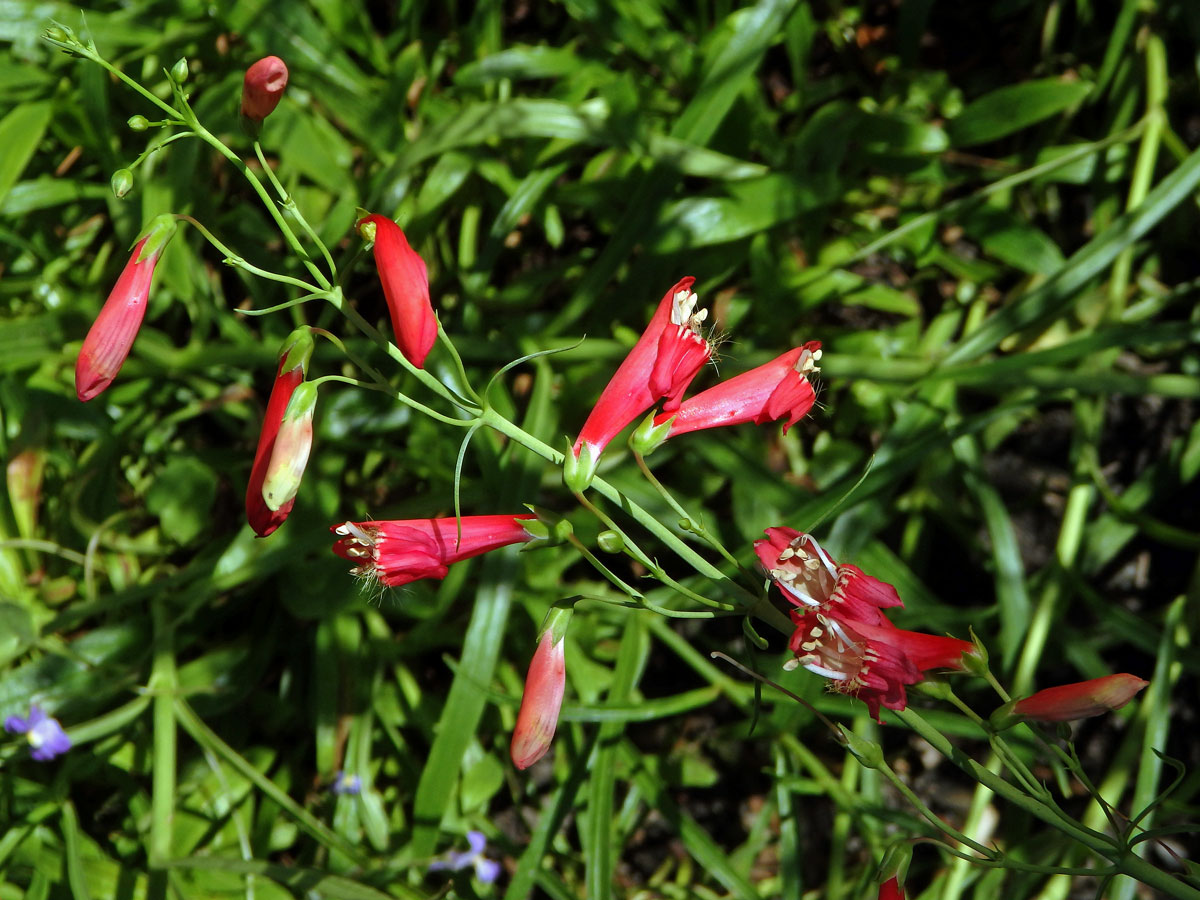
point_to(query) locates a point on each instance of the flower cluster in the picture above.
(842, 632)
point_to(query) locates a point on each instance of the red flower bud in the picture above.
(111, 336)
(293, 363)
(405, 287)
(544, 687)
(262, 88)
(1081, 699)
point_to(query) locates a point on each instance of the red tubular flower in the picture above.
(661, 364)
(1081, 699)
(405, 287)
(810, 577)
(293, 364)
(841, 630)
(891, 889)
(262, 87)
(399, 551)
(543, 696)
(779, 389)
(111, 336)
(873, 662)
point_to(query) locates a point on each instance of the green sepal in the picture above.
(157, 233)
(558, 617)
(648, 437)
(549, 529)
(869, 753)
(296, 350)
(1004, 717)
(578, 471)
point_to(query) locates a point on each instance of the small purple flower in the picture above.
(486, 869)
(45, 735)
(344, 784)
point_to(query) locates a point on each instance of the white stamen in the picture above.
(791, 664)
(828, 673)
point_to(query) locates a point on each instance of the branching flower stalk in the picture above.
(836, 615)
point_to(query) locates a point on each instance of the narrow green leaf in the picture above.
(20, 132)
(1051, 297)
(1007, 110)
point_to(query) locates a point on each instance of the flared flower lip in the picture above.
(775, 390)
(399, 551)
(662, 363)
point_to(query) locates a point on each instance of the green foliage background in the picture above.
(987, 213)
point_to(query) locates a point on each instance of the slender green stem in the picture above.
(694, 527)
(603, 569)
(289, 204)
(272, 207)
(235, 260)
(642, 557)
(101, 61)
(338, 301)
(163, 686)
(930, 816)
(459, 368)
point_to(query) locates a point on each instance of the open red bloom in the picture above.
(661, 364)
(1081, 699)
(873, 662)
(262, 87)
(810, 577)
(398, 551)
(776, 390)
(405, 287)
(111, 336)
(293, 363)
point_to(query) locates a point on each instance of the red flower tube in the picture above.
(398, 551)
(1081, 699)
(661, 364)
(891, 889)
(262, 87)
(293, 364)
(405, 287)
(779, 389)
(111, 336)
(542, 699)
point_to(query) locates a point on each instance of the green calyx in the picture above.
(549, 529)
(648, 437)
(296, 350)
(557, 619)
(578, 471)
(157, 233)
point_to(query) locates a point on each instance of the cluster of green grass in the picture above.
(986, 212)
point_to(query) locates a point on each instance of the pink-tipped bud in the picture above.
(110, 339)
(544, 687)
(289, 456)
(262, 88)
(293, 364)
(1079, 700)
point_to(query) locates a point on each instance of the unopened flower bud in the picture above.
(261, 89)
(544, 688)
(138, 123)
(610, 542)
(179, 71)
(292, 446)
(122, 182)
